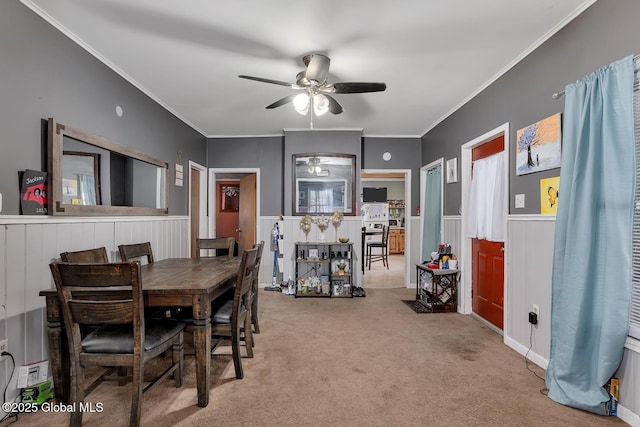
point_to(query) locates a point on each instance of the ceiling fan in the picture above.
(316, 92)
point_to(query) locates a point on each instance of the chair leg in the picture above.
(136, 394)
(77, 396)
(248, 337)
(254, 313)
(177, 357)
(235, 350)
(386, 257)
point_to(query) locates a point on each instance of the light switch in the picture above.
(519, 201)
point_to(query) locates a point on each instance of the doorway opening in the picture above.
(431, 202)
(234, 205)
(398, 205)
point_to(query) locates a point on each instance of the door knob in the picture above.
(238, 230)
(502, 249)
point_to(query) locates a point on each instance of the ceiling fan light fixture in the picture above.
(301, 103)
(320, 104)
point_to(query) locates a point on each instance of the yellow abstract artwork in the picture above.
(549, 195)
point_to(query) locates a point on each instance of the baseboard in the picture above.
(532, 356)
(628, 416)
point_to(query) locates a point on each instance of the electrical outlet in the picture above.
(536, 309)
(3, 346)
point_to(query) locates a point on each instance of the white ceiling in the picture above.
(434, 55)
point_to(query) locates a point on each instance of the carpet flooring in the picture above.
(351, 362)
(416, 306)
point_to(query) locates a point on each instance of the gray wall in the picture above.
(405, 154)
(604, 33)
(253, 152)
(273, 156)
(45, 74)
(319, 141)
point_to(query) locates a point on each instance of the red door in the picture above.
(488, 260)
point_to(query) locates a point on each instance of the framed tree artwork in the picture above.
(538, 146)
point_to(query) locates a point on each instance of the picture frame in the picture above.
(549, 195)
(539, 146)
(313, 253)
(452, 170)
(323, 183)
(229, 198)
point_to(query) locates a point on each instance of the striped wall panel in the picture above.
(451, 232)
(29, 244)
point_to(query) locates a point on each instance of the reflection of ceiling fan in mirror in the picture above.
(316, 95)
(315, 168)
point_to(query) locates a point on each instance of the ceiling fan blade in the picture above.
(263, 80)
(334, 106)
(317, 67)
(280, 102)
(345, 87)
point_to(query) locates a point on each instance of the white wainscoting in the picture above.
(351, 227)
(629, 374)
(29, 244)
(529, 258)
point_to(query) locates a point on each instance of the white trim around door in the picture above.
(407, 210)
(212, 195)
(202, 223)
(464, 301)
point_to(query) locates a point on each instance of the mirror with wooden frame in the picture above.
(323, 183)
(91, 175)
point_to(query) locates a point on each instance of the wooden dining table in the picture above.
(175, 282)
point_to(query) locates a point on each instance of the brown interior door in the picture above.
(228, 207)
(488, 261)
(247, 213)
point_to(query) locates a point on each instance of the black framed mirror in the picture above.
(90, 175)
(323, 183)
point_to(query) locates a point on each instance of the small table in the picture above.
(170, 282)
(367, 231)
(437, 289)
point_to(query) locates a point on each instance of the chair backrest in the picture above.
(260, 247)
(385, 234)
(97, 255)
(218, 243)
(90, 306)
(136, 250)
(256, 272)
(244, 281)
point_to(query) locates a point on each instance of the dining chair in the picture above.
(220, 244)
(89, 255)
(136, 250)
(111, 296)
(384, 249)
(231, 316)
(254, 289)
